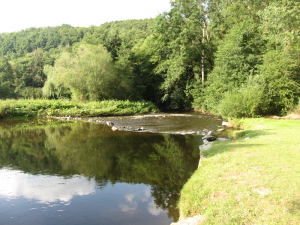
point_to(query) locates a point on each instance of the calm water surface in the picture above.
(75, 172)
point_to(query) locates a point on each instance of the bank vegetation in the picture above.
(66, 108)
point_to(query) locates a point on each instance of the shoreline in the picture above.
(66, 108)
(254, 168)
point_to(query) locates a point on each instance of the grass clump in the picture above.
(251, 180)
(236, 134)
(62, 108)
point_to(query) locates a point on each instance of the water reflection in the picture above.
(43, 189)
(57, 163)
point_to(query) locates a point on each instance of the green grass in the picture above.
(63, 108)
(249, 181)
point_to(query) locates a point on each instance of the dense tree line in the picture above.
(236, 58)
(26, 70)
(18, 44)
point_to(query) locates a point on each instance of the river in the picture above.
(79, 172)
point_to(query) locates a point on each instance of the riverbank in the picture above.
(65, 108)
(251, 180)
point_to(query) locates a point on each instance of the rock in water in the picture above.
(114, 128)
(209, 138)
(109, 123)
(210, 133)
(225, 124)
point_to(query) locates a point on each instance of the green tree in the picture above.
(237, 59)
(6, 79)
(281, 66)
(258, 39)
(187, 50)
(30, 77)
(88, 73)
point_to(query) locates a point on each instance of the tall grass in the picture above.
(33, 108)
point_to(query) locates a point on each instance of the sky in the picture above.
(16, 15)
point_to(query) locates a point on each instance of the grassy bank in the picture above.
(254, 179)
(32, 108)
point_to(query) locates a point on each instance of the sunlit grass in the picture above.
(254, 179)
(32, 108)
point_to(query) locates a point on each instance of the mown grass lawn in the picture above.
(254, 179)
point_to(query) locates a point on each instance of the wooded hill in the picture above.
(236, 58)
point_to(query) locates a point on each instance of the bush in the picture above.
(244, 101)
(281, 73)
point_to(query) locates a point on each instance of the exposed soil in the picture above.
(291, 116)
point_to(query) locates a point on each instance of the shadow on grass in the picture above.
(220, 147)
(295, 207)
(240, 134)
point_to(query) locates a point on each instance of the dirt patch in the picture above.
(218, 195)
(253, 181)
(233, 175)
(257, 167)
(283, 167)
(262, 191)
(291, 116)
(230, 176)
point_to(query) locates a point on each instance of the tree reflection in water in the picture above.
(42, 146)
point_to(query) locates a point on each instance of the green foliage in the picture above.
(88, 73)
(29, 72)
(236, 134)
(180, 32)
(280, 25)
(281, 72)
(6, 79)
(255, 46)
(237, 59)
(64, 108)
(31, 93)
(18, 44)
(200, 54)
(243, 101)
(42, 46)
(145, 60)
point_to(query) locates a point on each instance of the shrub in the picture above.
(244, 101)
(281, 73)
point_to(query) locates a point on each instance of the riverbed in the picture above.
(80, 172)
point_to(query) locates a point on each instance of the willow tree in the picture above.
(86, 73)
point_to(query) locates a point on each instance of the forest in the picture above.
(235, 58)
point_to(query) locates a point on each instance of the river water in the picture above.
(79, 172)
